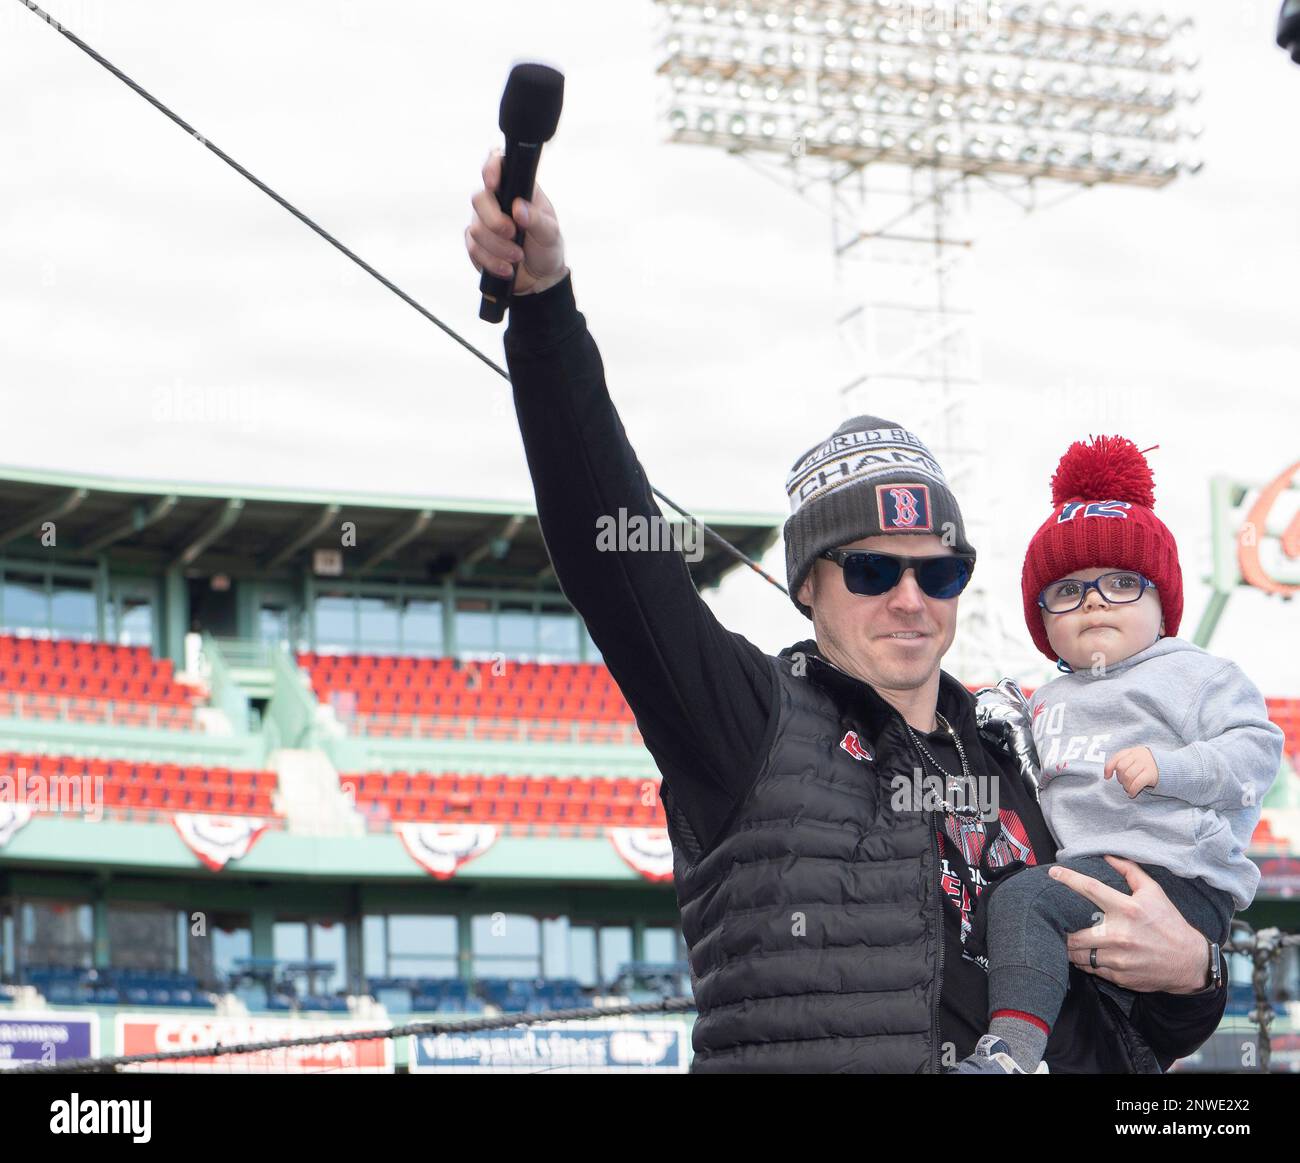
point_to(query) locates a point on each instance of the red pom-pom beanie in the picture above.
(1102, 497)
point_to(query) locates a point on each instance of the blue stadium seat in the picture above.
(395, 1001)
(326, 1003)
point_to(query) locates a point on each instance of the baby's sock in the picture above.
(1024, 1034)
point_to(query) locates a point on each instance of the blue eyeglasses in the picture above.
(1117, 588)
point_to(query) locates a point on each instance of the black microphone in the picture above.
(1288, 28)
(530, 111)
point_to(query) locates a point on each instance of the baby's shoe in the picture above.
(992, 1056)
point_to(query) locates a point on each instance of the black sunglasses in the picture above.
(872, 574)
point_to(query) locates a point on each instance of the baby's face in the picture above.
(1101, 632)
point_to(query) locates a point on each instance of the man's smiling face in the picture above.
(894, 640)
(1101, 632)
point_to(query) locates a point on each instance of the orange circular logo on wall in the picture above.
(1252, 532)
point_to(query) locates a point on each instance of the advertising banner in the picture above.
(594, 1047)
(46, 1037)
(139, 1034)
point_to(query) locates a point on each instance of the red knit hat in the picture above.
(1102, 497)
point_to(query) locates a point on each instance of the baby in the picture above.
(1149, 747)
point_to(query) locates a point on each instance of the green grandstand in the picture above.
(297, 754)
(270, 757)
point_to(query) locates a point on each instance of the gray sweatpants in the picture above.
(1030, 915)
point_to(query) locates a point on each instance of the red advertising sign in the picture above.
(138, 1034)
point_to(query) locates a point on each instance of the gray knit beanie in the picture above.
(870, 477)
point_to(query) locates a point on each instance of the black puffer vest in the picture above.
(814, 920)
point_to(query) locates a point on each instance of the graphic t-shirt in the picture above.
(970, 845)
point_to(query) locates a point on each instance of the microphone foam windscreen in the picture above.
(1288, 28)
(530, 106)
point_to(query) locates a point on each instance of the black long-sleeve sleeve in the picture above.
(1174, 1025)
(703, 696)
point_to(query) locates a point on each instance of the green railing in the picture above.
(245, 653)
(226, 693)
(291, 711)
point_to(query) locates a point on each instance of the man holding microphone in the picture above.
(826, 922)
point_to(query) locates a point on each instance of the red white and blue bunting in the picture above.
(647, 850)
(441, 849)
(217, 840)
(12, 818)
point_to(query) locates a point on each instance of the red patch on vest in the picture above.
(854, 746)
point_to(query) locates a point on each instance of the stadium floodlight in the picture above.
(1052, 74)
(959, 94)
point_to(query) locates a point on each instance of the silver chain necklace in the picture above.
(951, 782)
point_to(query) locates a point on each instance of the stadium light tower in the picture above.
(946, 99)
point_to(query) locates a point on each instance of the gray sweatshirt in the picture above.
(1216, 751)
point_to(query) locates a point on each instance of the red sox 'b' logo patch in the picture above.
(855, 747)
(904, 507)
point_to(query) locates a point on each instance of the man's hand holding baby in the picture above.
(1134, 767)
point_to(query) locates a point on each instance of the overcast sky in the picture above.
(137, 272)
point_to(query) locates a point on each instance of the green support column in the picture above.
(465, 946)
(175, 617)
(103, 587)
(248, 601)
(99, 907)
(1210, 619)
(300, 631)
(10, 936)
(309, 609)
(1225, 498)
(354, 949)
(262, 926)
(448, 618)
(638, 938)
